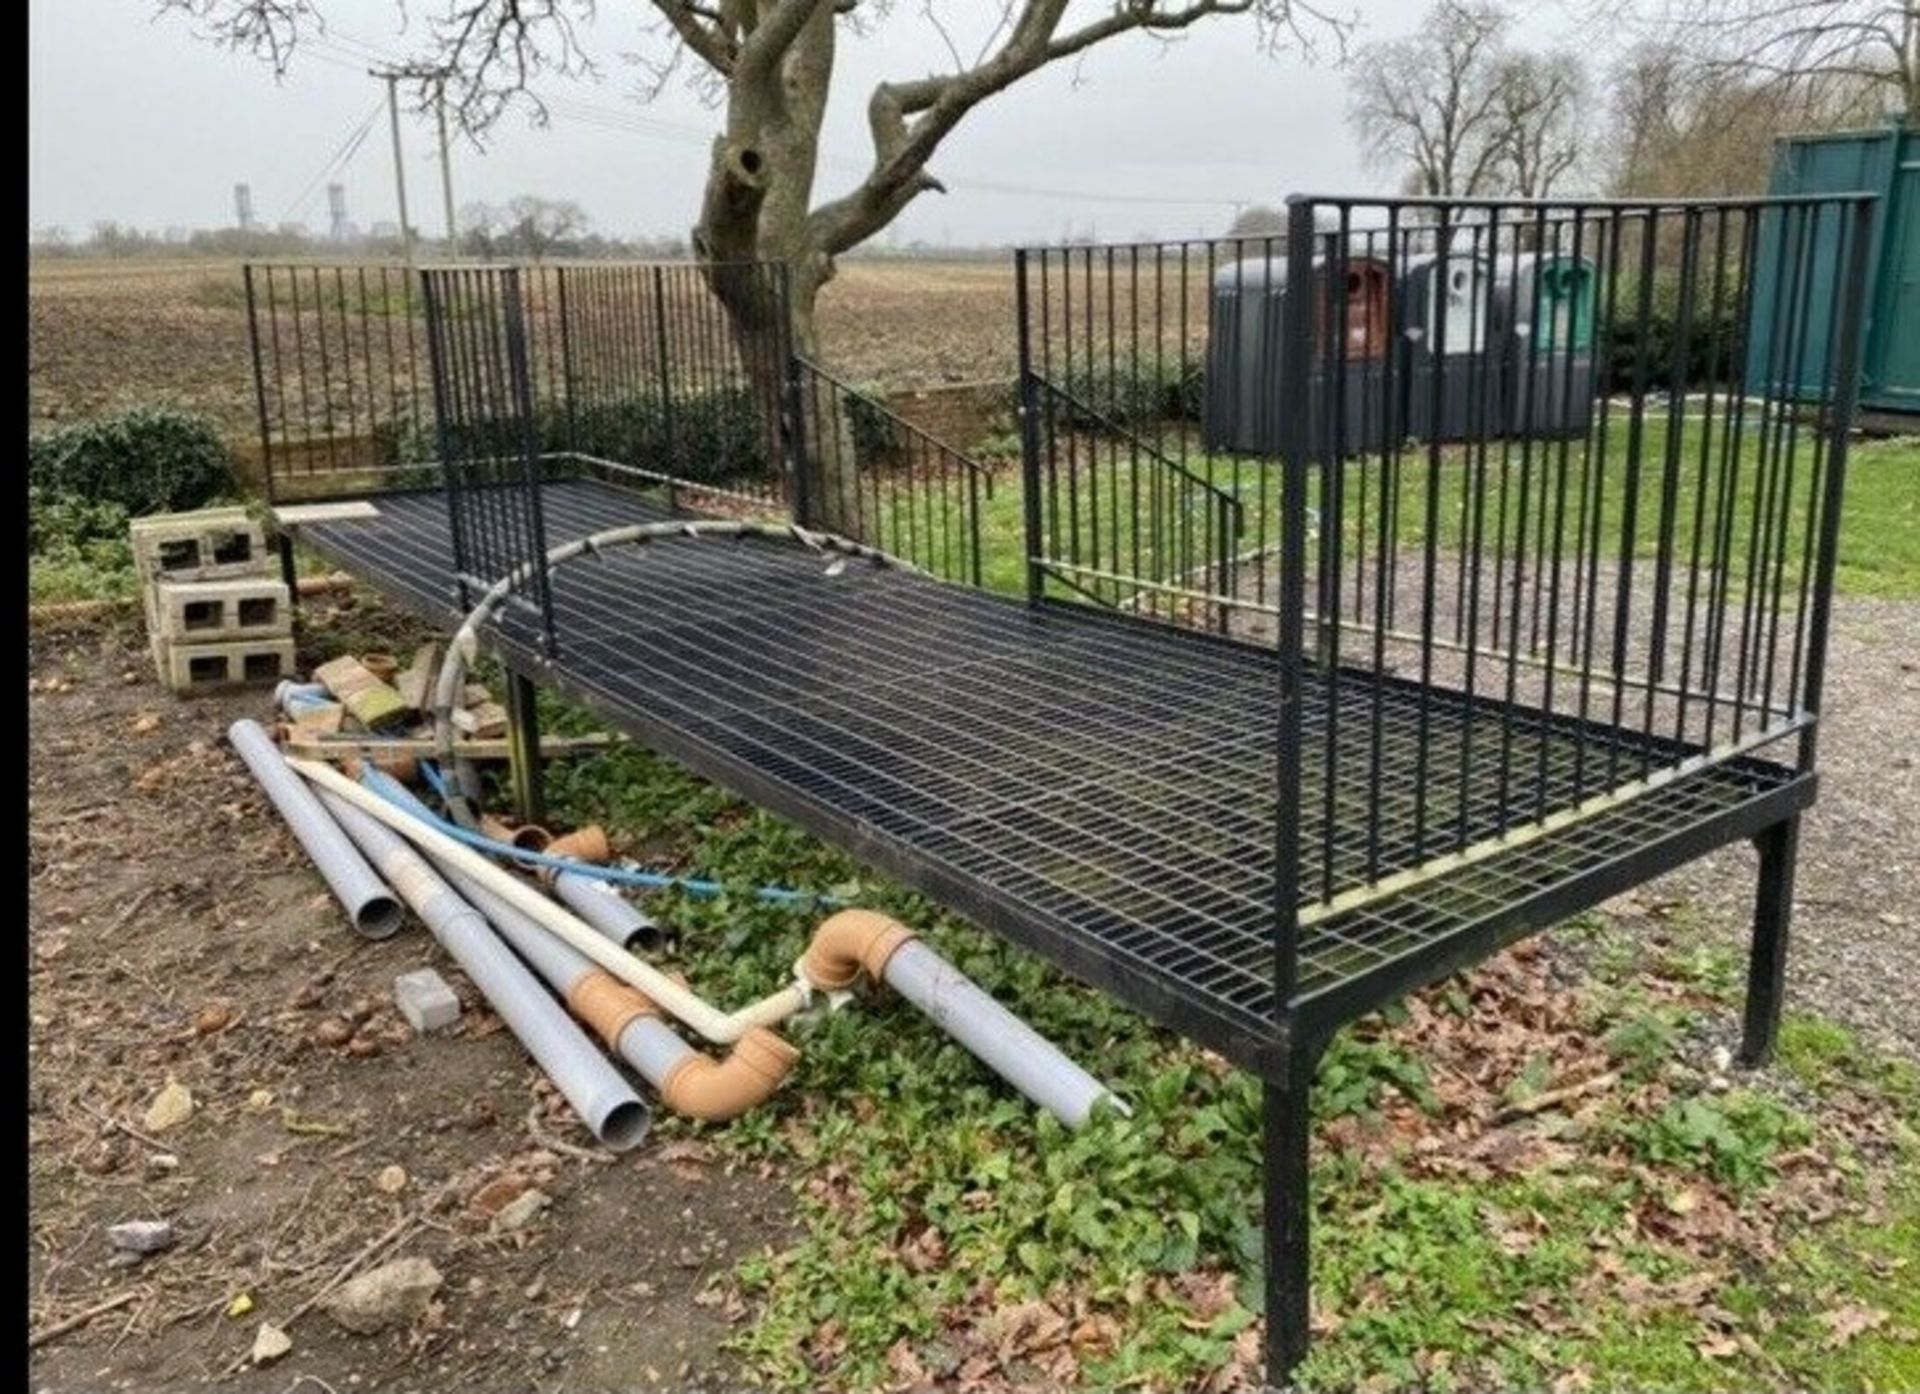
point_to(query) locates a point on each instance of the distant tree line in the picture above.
(1690, 105)
(524, 228)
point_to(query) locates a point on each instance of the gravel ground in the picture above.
(1856, 946)
(1856, 951)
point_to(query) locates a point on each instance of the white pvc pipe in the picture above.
(465, 646)
(673, 997)
(1005, 1044)
(604, 1101)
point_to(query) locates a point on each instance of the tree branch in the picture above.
(768, 40)
(908, 120)
(703, 31)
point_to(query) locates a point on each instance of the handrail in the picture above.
(840, 385)
(1160, 457)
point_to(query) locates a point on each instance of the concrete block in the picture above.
(425, 1000)
(252, 607)
(210, 544)
(192, 668)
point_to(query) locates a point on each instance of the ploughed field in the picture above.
(105, 335)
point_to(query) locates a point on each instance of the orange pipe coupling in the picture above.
(847, 943)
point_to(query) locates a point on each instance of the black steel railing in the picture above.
(668, 374)
(868, 473)
(487, 434)
(1530, 498)
(1128, 524)
(340, 378)
(676, 372)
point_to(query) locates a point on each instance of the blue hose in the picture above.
(397, 794)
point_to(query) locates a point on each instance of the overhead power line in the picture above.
(338, 161)
(344, 50)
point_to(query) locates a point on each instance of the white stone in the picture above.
(270, 1343)
(425, 1000)
(141, 1236)
(520, 1212)
(394, 1294)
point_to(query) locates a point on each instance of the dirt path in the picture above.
(175, 931)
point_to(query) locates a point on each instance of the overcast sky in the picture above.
(134, 118)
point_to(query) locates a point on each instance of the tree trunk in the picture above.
(758, 194)
(829, 485)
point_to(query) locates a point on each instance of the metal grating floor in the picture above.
(1098, 787)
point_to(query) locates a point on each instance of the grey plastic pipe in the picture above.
(1005, 1044)
(680, 1001)
(689, 1082)
(294, 697)
(646, 1042)
(605, 1102)
(369, 902)
(601, 906)
(853, 942)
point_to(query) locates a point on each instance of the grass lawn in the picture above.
(1880, 519)
(1681, 1229)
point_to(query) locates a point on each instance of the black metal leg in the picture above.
(283, 543)
(1288, 1129)
(523, 748)
(1779, 848)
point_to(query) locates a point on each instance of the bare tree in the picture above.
(1258, 220)
(1674, 127)
(537, 226)
(1429, 103)
(770, 66)
(480, 228)
(1821, 52)
(1541, 110)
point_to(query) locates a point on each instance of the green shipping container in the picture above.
(1885, 161)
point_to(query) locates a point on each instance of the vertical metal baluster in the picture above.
(1802, 312)
(1697, 523)
(259, 380)
(1656, 664)
(1850, 311)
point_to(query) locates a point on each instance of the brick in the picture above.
(211, 544)
(191, 668)
(202, 611)
(425, 1000)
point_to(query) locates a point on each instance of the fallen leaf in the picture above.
(172, 1106)
(1845, 1322)
(1718, 1346)
(685, 1158)
(497, 1194)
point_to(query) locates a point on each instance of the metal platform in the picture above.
(1098, 787)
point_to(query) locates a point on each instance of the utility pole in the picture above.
(392, 78)
(446, 167)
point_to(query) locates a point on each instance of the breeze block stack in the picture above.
(217, 615)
